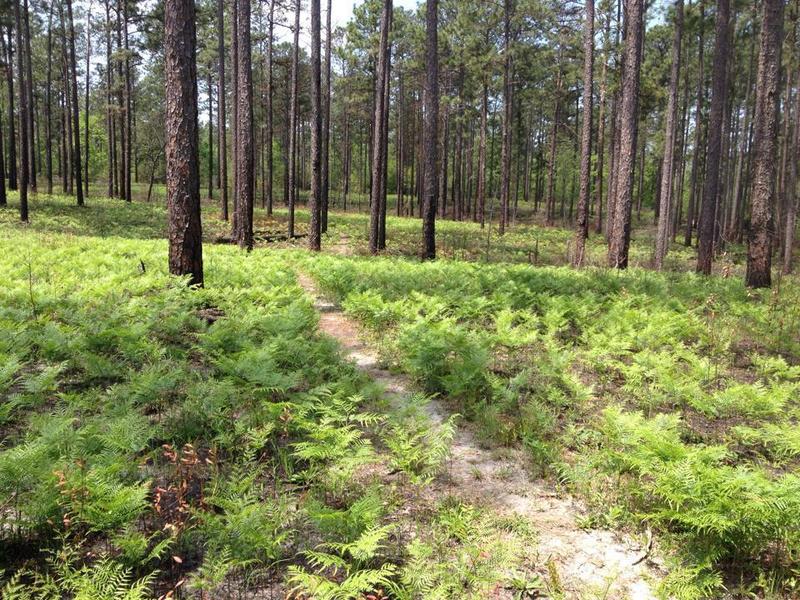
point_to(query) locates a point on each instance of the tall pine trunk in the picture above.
(379, 121)
(601, 129)
(759, 248)
(326, 124)
(314, 234)
(508, 93)
(222, 115)
(551, 163)
(582, 221)
(429, 132)
(270, 94)
(619, 240)
(128, 110)
(183, 168)
(668, 164)
(292, 125)
(210, 135)
(245, 148)
(699, 149)
(76, 155)
(719, 95)
(48, 104)
(12, 143)
(385, 149)
(111, 171)
(791, 200)
(23, 118)
(3, 200)
(28, 56)
(481, 192)
(86, 100)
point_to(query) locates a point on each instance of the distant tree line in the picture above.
(584, 113)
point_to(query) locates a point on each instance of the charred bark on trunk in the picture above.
(759, 247)
(619, 241)
(429, 133)
(582, 221)
(183, 174)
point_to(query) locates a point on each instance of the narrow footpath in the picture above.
(590, 563)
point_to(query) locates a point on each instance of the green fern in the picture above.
(345, 575)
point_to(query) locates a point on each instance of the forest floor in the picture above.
(493, 424)
(609, 564)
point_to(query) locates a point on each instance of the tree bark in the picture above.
(582, 224)
(619, 241)
(759, 248)
(235, 115)
(210, 135)
(551, 163)
(444, 165)
(735, 221)
(128, 111)
(508, 93)
(270, 94)
(791, 193)
(3, 200)
(719, 95)
(86, 100)
(183, 173)
(699, 149)
(326, 124)
(222, 116)
(293, 118)
(379, 121)
(120, 112)
(668, 164)
(601, 130)
(12, 143)
(430, 134)
(76, 156)
(28, 56)
(385, 148)
(400, 146)
(245, 156)
(315, 227)
(110, 126)
(67, 172)
(48, 104)
(481, 200)
(23, 119)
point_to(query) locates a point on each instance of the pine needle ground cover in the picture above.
(161, 441)
(668, 401)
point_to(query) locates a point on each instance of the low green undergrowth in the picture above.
(669, 401)
(161, 441)
(162, 429)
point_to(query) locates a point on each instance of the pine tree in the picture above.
(314, 234)
(759, 247)
(222, 114)
(183, 169)
(667, 167)
(76, 136)
(292, 125)
(23, 112)
(430, 130)
(719, 98)
(245, 149)
(620, 232)
(582, 221)
(378, 163)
